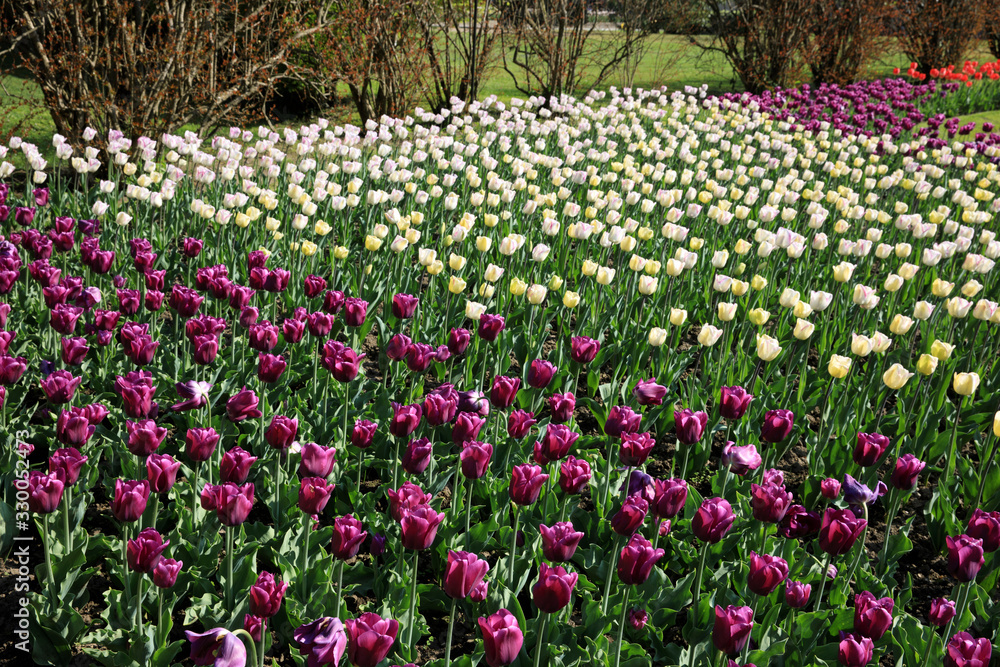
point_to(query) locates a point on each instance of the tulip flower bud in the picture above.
(927, 364)
(759, 316)
(571, 299)
(896, 377)
(942, 350)
(758, 283)
(942, 611)
(767, 347)
(839, 366)
(900, 325)
(709, 336)
(842, 272)
(965, 384)
(922, 310)
(860, 345)
(678, 316)
(657, 336)
(803, 329)
(518, 287)
(727, 311)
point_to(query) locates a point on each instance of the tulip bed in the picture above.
(643, 378)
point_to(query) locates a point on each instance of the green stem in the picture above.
(263, 636)
(340, 586)
(861, 551)
(611, 576)
(277, 486)
(950, 467)
(305, 552)
(48, 555)
(468, 514)
(696, 591)
(822, 580)
(621, 627)
(543, 622)
(229, 567)
(513, 546)
(983, 470)
(893, 508)
(67, 534)
(138, 612)
(159, 615)
(413, 603)
(451, 629)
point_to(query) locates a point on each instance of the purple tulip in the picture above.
(777, 425)
(622, 419)
(637, 559)
(985, 526)
(855, 650)
(574, 475)
(463, 572)
(553, 589)
(907, 470)
(419, 527)
(490, 327)
(690, 425)
(404, 305)
(839, 531)
(630, 516)
(130, 499)
(65, 464)
(671, 495)
(145, 551)
(405, 499)
(502, 638)
(281, 433)
(965, 557)
(266, 595)
(648, 392)
(964, 650)
(322, 642)
(217, 647)
(872, 616)
(770, 503)
(713, 520)
(418, 456)
(734, 402)
(405, 419)
(348, 536)
(458, 341)
(766, 573)
(475, 458)
(243, 405)
(869, 448)
(583, 350)
(732, 628)
(540, 373)
(161, 472)
(519, 423)
(740, 460)
(797, 594)
(526, 484)
(562, 406)
(942, 611)
(45, 492)
(559, 542)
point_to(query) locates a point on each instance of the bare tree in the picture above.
(459, 40)
(551, 47)
(377, 49)
(938, 33)
(760, 38)
(143, 67)
(845, 37)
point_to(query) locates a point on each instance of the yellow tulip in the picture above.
(927, 364)
(571, 299)
(767, 347)
(759, 316)
(518, 287)
(658, 337)
(709, 335)
(965, 384)
(803, 329)
(839, 366)
(896, 377)
(942, 350)
(678, 316)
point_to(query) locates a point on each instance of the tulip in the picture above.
(690, 425)
(370, 638)
(767, 347)
(637, 559)
(635, 448)
(942, 611)
(405, 419)
(419, 527)
(281, 433)
(583, 350)
(770, 502)
(777, 425)
(574, 475)
(322, 642)
(45, 492)
(363, 433)
(562, 407)
(869, 448)
(130, 499)
(418, 456)
(355, 311)
(637, 618)
(927, 364)
(797, 594)
(243, 405)
(872, 616)
(218, 647)
(908, 468)
(621, 420)
(734, 402)
(165, 572)
(559, 542)
(316, 460)
(732, 628)
(467, 427)
(405, 499)
(670, 497)
(145, 551)
(73, 428)
(463, 572)
(630, 516)
(348, 536)
(713, 520)
(830, 488)
(766, 573)
(855, 650)
(490, 327)
(526, 484)
(314, 493)
(65, 464)
(502, 638)
(709, 336)
(963, 650)
(985, 526)
(232, 503)
(60, 386)
(941, 350)
(458, 341)
(896, 377)
(266, 595)
(648, 392)
(519, 423)
(839, 531)
(965, 384)
(553, 589)
(161, 472)
(504, 391)
(540, 373)
(857, 494)
(740, 460)
(404, 306)
(965, 557)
